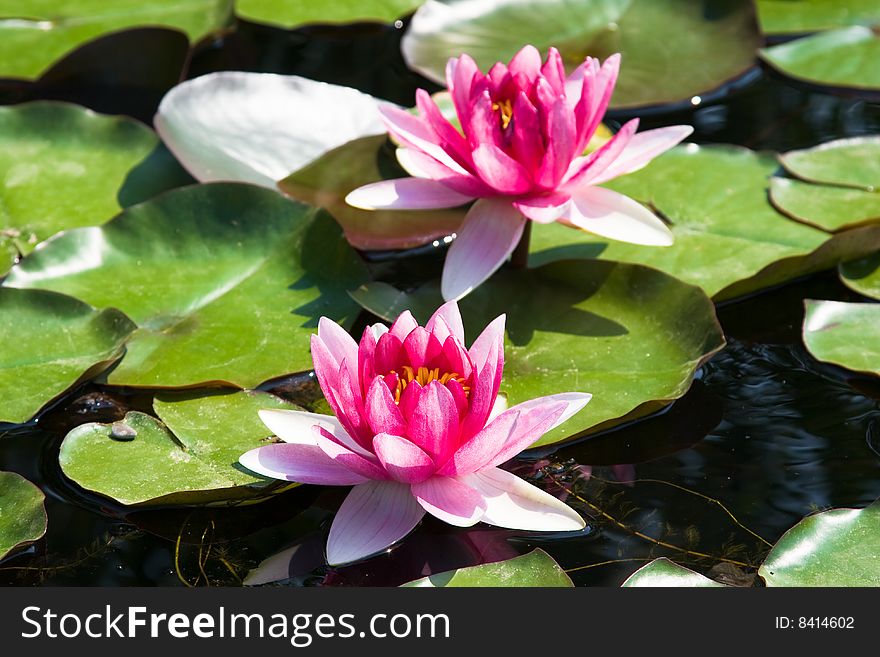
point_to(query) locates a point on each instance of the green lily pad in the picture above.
(840, 547)
(825, 206)
(804, 16)
(51, 342)
(22, 513)
(293, 13)
(853, 162)
(863, 275)
(844, 334)
(61, 167)
(326, 181)
(537, 568)
(226, 282)
(692, 49)
(664, 573)
(845, 58)
(729, 239)
(35, 33)
(630, 335)
(190, 457)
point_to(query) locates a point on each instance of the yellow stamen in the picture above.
(506, 108)
(423, 376)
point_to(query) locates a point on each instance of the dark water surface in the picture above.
(765, 436)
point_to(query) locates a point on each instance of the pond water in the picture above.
(765, 436)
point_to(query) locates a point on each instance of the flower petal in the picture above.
(544, 209)
(490, 232)
(403, 325)
(382, 413)
(412, 131)
(296, 426)
(618, 217)
(516, 504)
(642, 148)
(306, 464)
(451, 317)
(500, 171)
(433, 423)
(419, 165)
(403, 460)
(583, 170)
(450, 500)
(405, 194)
(374, 516)
(349, 459)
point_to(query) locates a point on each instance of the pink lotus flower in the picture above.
(413, 432)
(525, 127)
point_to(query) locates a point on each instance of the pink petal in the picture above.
(642, 148)
(583, 170)
(306, 464)
(491, 230)
(382, 413)
(457, 359)
(405, 194)
(525, 143)
(449, 500)
(450, 139)
(338, 346)
(374, 516)
(618, 217)
(402, 460)
(347, 458)
(489, 343)
(422, 348)
(460, 77)
(484, 125)
(574, 84)
(389, 354)
(367, 357)
(419, 165)
(403, 325)
(296, 426)
(451, 317)
(599, 98)
(553, 71)
(527, 62)
(544, 209)
(560, 146)
(516, 504)
(433, 423)
(412, 131)
(500, 171)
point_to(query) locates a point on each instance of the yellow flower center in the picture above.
(423, 376)
(506, 109)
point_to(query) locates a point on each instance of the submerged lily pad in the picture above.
(664, 573)
(804, 16)
(845, 334)
(852, 162)
(50, 342)
(225, 281)
(293, 13)
(863, 275)
(840, 547)
(22, 513)
(692, 48)
(61, 167)
(845, 58)
(191, 458)
(537, 568)
(825, 206)
(729, 239)
(35, 33)
(629, 335)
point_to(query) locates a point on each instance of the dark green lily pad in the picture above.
(729, 239)
(630, 335)
(863, 275)
(804, 16)
(293, 13)
(226, 282)
(825, 206)
(537, 568)
(50, 342)
(845, 334)
(693, 48)
(853, 162)
(191, 458)
(664, 573)
(35, 33)
(22, 513)
(62, 166)
(845, 58)
(840, 547)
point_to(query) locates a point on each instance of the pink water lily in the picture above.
(414, 432)
(524, 130)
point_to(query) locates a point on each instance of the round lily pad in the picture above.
(845, 334)
(805, 16)
(225, 281)
(190, 457)
(50, 342)
(827, 207)
(840, 547)
(692, 49)
(852, 162)
(22, 513)
(537, 568)
(665, 573)
(629, 335)
(293, 13)
(35, 33)
(863, 275)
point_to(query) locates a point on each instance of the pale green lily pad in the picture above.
(51, 342)
(852, 162)
(863, 275)
(226, 282)
(804, 16)
(630, 335)
(845, 58)
(22, 513)
(825, 206)
(61, 167)
(840, 547)
(191, 458)
(845, 334)
(691, 50)
(537, 568)
(36, 33)
(294, 13)
(664, 573)
(729, 239)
